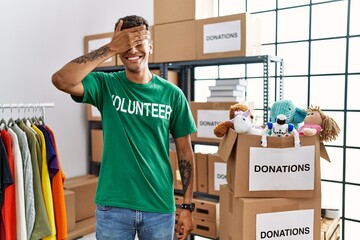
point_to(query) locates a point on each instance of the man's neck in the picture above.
(142, 77)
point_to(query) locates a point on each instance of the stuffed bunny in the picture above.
(223, 127)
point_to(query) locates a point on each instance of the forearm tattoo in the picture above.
(92, 56)
(185, 172)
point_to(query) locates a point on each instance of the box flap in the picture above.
(323, 152)
(226, 144)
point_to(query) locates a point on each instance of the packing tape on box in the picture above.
(332, 213)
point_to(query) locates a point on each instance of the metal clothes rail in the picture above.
(34, 106)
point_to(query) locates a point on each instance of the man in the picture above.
(139, 111)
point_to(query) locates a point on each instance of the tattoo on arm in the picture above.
(101, 52)
(185, 172)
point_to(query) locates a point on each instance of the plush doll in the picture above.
(316, 122)
(243, 123)
(294, 115)
(223, 127)
(279, 128)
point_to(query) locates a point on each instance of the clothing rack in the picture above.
(29, 106)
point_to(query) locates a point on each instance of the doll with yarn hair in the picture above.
(317, 122)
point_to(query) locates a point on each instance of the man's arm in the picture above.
(186, 162)
(69, 77)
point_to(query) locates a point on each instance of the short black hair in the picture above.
(132, 21)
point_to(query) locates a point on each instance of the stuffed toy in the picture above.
(243, 123)
(279, 128)
(316, 122)
(294, 115)
(223, 127)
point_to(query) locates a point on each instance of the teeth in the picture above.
(133, 58)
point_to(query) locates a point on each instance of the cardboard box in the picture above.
(336, 234)
(205, 228)
(181, 10)
(207, 209)
(228, 36)
(70, 209)
(201, 172)
(82, 228)
(207, 115)
(92, 113)
(330, 228)
(262, 218)
(280, 170)
(178, 199)
(94, 42)
(174, 42)
(151, 56)
(173, 76)
(217, 173)
(84, 188)
(97, 145)
(177, 176)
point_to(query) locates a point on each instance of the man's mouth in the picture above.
(134, 58)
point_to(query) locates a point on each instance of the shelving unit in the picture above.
(186, 69)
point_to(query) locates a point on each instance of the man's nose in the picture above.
(132, 50)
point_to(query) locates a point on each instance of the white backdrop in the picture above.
(38, 37)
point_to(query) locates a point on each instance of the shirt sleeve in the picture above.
(93, 84)
(182, 121)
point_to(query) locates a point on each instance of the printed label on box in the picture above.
(290, 225)
(282, 168)
(219, 175)
(207, 120)
(222, 37)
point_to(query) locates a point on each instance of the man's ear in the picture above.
(151, 46)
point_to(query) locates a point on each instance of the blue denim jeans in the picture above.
(122, 224)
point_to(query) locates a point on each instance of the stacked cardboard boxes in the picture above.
(217, 170)
(187, 30)
(192, 26)
(273, 192)
(80, 207)
(206, 216)
(330, 229)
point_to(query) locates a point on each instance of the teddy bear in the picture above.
(223, 127)
(317, 122)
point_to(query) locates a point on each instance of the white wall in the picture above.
(40, 36)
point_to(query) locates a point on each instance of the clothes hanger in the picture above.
(35, 119)
(11, 121)
(42, 117)
(3, 124)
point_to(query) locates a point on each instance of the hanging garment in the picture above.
(9, 205)
(46, 186)
(41, 226)
(6, 180)
(58, 193)
(52, 161)
(19, 187)
(28, 180)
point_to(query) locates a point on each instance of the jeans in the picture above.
(122, 224)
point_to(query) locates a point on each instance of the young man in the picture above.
(139, 111)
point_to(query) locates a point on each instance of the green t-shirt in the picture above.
(137, 121)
